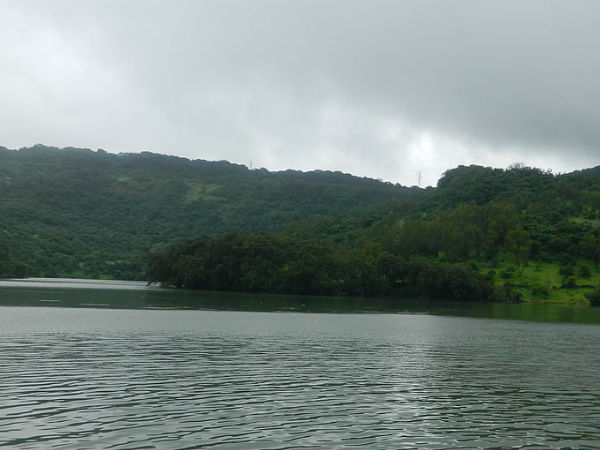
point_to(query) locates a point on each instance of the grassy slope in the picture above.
(541, 282)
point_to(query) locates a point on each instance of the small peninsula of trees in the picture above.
(261, 262)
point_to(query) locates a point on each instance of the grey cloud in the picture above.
(316, 84)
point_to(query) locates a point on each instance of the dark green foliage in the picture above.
(566, 271)
(508, 273)
(540, 292)
(76, 212)
(594, 297)
(584, 272)
(481, 185)
(446, 281)
(271, 263)
(257, 262)
(569, 283)
(507, 293)
(434, 245)
(589, 247)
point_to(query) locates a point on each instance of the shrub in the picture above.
(540, 292)
(594, 297)
(508, 273)
(507, 293)
(566, 271)
(584, 272)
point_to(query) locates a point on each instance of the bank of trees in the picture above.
(270, 263)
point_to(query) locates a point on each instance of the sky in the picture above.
(398, 90)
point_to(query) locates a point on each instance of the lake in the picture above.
(125, 366)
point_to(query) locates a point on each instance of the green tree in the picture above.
(518, 244)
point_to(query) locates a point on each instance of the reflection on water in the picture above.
(137, 295)
(87, 378)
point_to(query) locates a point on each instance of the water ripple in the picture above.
(484, 386)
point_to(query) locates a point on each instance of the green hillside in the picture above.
(516, 234)
(83, 213)
(520, 234)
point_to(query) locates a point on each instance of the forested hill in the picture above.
(83, 213)
(526, 187)
(483, 234)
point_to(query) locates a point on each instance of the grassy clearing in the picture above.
(540, 282)
(200, 191)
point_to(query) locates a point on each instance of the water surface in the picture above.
(98, 377)
(138, 295)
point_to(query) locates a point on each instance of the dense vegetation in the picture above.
(261, 262)
(80, 213)
(482, 234)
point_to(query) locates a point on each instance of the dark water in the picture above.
(98, 377)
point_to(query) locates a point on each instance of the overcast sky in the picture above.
(384, 89)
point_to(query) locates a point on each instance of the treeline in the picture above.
(262, 262)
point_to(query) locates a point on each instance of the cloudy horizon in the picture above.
(384, 89)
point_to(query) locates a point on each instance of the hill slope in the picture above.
(482, 234)
(76, 212)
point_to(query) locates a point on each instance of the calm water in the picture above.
(99, 377)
